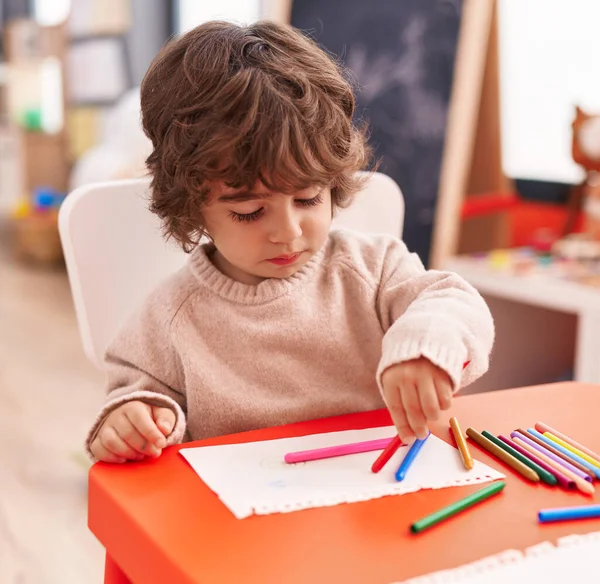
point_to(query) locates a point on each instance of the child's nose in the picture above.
(286, 228)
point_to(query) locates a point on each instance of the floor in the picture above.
(49, 394)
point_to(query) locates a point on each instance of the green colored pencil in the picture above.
(544, 475)
(450, 510)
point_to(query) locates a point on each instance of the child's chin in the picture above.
(285, 272)
(282, 272)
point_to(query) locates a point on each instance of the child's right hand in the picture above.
(133, 431)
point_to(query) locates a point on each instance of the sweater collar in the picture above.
(227, 288)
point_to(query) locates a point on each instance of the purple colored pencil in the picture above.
(562, 479)
(551, 455)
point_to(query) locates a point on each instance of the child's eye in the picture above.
(247, 217)
(310, 202)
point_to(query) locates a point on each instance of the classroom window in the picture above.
(191, 13)
(548, 64)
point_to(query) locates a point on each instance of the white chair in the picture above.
(115, 253)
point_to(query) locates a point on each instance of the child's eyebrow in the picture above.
(242, 196)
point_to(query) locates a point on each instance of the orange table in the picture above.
(160, 523)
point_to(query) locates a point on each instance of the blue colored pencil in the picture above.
(410, 457)
(571, 455)
(568, 513)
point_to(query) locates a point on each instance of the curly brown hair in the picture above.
(245, 103)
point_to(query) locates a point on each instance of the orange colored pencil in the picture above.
(461, 443)
(580, 483)
(387, 453)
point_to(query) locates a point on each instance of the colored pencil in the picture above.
(580, 483)
(563, 459)
(388, 452)
(461, 443)
(410, 458)
(501, 454)
(572, 449)
(455, 508)
(339, 450)
(544, 475)
(541, 427)
(570, 455)
(562, 479)
(568, 513)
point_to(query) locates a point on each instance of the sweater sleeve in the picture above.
(142, 363)
(432, 314)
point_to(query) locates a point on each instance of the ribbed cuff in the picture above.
(449, 359)
(148, 397)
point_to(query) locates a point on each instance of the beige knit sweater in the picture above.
(229, 357)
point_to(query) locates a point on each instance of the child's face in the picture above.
(259, 234)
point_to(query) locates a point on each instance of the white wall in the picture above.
(51, 12)
(549, 62)
(194, 12)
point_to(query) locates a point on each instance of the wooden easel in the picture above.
(472, 162)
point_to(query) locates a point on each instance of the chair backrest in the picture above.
(115, 253)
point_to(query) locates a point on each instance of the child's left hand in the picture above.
(415, 392)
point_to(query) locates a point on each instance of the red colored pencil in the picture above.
(388, 452)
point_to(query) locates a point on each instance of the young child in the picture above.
(276, 319)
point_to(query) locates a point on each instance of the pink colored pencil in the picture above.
(540, 427)
(340, 450)
(562, 479)
(551, 455)
(581, 484)
(389, 451)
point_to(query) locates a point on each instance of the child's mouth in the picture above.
(284, 260)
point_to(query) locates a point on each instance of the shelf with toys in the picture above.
(35, 234)
(564, 262)
(545, 297)
(35, 155)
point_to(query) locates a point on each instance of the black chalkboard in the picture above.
(401, 56)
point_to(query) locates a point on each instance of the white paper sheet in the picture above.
(573, 559)
(253, 477)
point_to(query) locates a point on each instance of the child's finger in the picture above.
(396, 409)
(444, 393)
(165, 419)
(428, 398)
(132, 437)
(102, 454)
(113, 443)
(412, 407)
(144, 423)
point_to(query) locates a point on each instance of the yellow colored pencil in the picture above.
(463, 448)
(541, 427)
(580, 483)
(572, 449)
